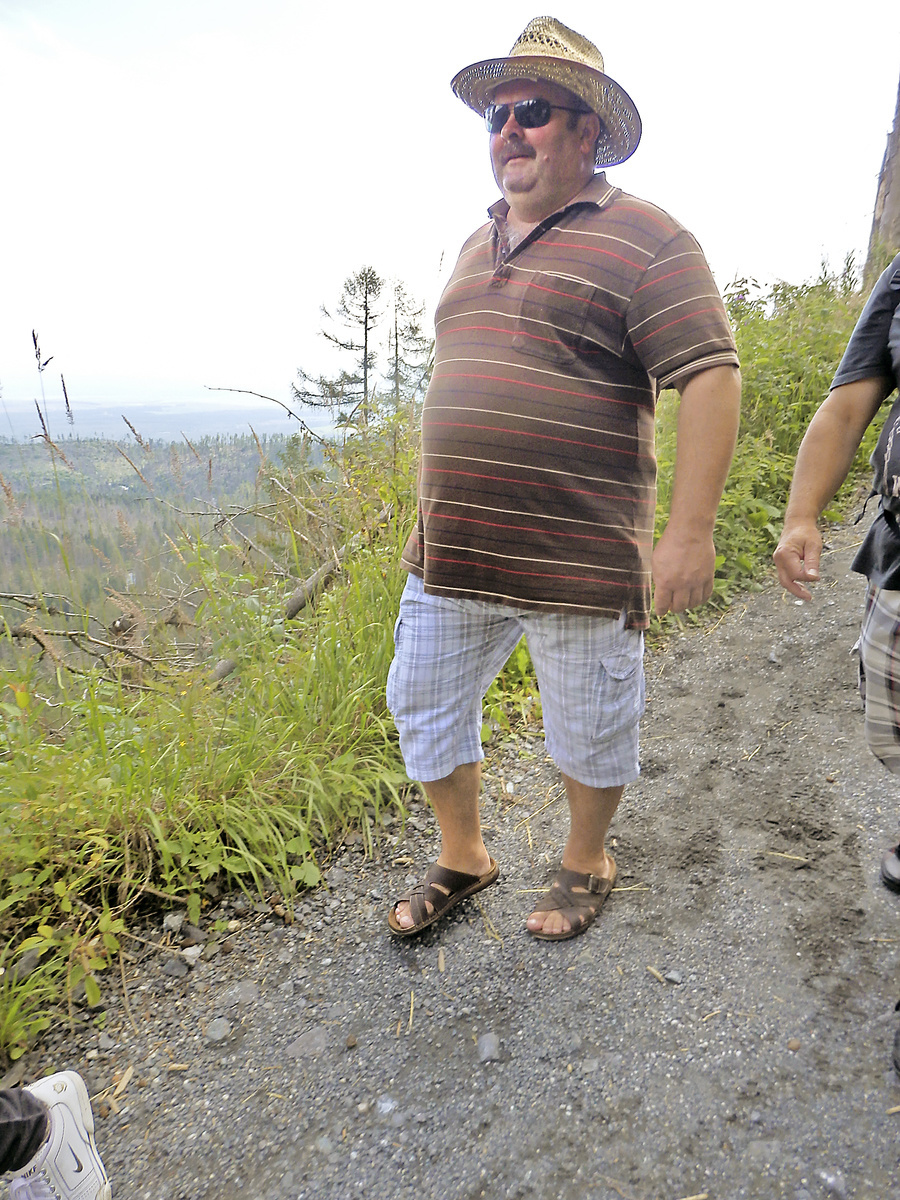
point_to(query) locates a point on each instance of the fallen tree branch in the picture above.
(49, 604)
(299, 598)
(306, 592)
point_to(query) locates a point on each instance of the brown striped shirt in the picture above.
(537, 482)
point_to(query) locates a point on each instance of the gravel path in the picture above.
(723, 1031)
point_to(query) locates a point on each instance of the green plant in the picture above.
(132, 769)
(513, 698)
(27, 999)
(133, 772)
(790, 340)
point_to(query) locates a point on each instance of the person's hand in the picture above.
(683, 570)
(797, 557)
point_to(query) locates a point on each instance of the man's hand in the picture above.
(684, 559)
(823, 461)
(797, 557)
(683, 570)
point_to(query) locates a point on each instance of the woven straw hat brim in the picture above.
(475, 85)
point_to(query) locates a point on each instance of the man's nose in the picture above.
(511, 128)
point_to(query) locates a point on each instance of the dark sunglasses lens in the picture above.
(530, 114)
(496, 116)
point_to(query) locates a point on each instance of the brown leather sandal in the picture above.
(441, 888)
(579, 907)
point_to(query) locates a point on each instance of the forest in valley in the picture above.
(91, 517)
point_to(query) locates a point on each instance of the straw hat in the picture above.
(549, 50)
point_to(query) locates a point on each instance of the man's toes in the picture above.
(547, 922)
(405, 917)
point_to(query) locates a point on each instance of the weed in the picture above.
(164, 721)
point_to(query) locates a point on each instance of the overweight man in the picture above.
(565, 316)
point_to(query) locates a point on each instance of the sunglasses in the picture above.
(529, 114)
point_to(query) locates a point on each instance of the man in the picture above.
(563, 318)
(868, 373)
(47, 1141)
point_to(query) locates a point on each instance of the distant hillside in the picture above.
(163, 422)
(104, 517)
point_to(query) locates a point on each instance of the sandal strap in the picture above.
(592, 883)
(560, 897)
(426, 893)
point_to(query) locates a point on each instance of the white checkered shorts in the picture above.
(879, 675)
(447, 652)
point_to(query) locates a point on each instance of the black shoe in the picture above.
(890, 869)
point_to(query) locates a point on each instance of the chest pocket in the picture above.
(562, 320)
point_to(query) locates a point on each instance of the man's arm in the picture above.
(823, 460)
(684, 560)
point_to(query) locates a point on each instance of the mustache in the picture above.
(516, 148)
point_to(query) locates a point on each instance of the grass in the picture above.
(790, 340)
(124, 778)
(129, 773)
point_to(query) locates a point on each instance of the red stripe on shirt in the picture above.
(695, 312)
(529, 483)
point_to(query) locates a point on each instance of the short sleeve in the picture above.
(676, 319)
(868, 354)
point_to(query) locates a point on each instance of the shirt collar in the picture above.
(597, 191)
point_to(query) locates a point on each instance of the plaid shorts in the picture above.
(446, 653)
(879, 675)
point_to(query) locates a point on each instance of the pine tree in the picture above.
(409, 349)
(357, 315)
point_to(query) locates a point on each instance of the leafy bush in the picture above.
(790, 340)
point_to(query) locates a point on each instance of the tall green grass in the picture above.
(124, 778)
(136, 774)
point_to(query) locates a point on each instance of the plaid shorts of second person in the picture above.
(446, 652)
(879, 675)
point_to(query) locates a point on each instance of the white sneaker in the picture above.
(67, 1165)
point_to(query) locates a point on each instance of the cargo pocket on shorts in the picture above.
(622, 696)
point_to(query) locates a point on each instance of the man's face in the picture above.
(539, 170)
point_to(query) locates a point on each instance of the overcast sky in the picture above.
(185, 182)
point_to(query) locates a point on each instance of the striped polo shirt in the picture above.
(537, 480)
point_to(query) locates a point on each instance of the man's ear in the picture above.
(591, 132)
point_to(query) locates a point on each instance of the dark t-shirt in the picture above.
(874, 352)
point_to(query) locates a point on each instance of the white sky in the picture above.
(185, 182)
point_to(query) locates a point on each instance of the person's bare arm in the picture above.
(684, 559)
(823, 460)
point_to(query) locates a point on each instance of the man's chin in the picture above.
(516, 181)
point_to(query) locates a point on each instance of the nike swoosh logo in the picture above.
(79, 1165)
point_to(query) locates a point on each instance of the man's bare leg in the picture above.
(590, 812)
(455, 803)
